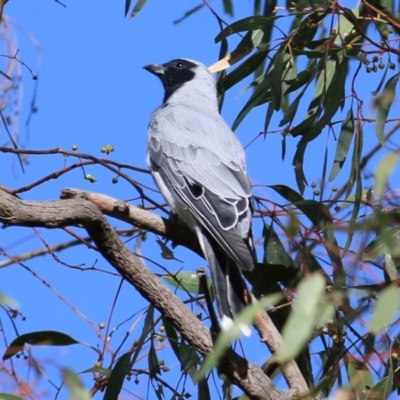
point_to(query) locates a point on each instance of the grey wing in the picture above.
(217, 193)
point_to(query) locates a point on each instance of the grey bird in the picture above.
(199, 166)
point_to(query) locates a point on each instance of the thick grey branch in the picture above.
(138, 217)
(56, 214)
(183, 236)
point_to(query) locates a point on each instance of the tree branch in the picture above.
(182, 235)
(73, 212)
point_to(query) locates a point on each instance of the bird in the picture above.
(199, 166)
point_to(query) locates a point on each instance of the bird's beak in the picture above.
(155, 69)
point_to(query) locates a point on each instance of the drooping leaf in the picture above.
(117, 376)
(100, 370)
(305, 315)
(224, 338)
(186, 355)
(154, 365)
(288, 193)
(382, 389)
(385, 168)
(390, 269)
(345, 26)
(188, 358)
(228, 7)
(75, 386)
(40, 338)
(203, 392)
(387, 242)
(260, 96)
(384, 105)
(125, 362)
(138, 6)
(275, 253)
(127, 6)
(8, 301)
(187, 281)
(7, 396)
(242, 71)
(385, 309)
(189, 13)
(247, 24)
(343, 145)
(360, 377)
(147, 329)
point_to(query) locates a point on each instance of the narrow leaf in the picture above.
(385, 168)
(385, 309)
(187, 281)
(75, 386)
(117, 377)
(384, 104)
(301, 323)
(224, 338)
(343, 145)
(127, 6)
(40, 338)
(138, 6)
(288, 193)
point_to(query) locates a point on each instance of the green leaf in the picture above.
(138, 6)
(74, 385)
(7, 301)
(345, 26)
(6, 396)
(384, 104)
(187, 281)
(127, 6)
(188, 358)
(121, 369)
(246, 24)
(288, 193)
(260, 96)
(203, 392)
(125, 362)
(274, 252)
(154, 365)
(304, 317)
(343, 145)
(99, 370)
(147, 328)
(302, 78)
(171, 334)
(385, 309)
(360, 377)
(189, 13)
(40, 338)
(377, 90)
(385, 168)
(166, 252)
(228, 7)
(242, 71)
(224, 338)
(352, 198)
(186, 355)
(390, 268)
(387, 242)
(381, 390)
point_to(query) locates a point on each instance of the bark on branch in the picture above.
(72, 212)
(181, 235)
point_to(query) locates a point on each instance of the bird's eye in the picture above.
(179, 64)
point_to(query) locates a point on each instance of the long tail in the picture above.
(230, 288)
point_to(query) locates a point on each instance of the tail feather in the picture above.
(230, 288)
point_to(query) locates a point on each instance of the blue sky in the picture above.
(92, 91)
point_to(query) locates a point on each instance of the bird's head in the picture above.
(188, 77)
